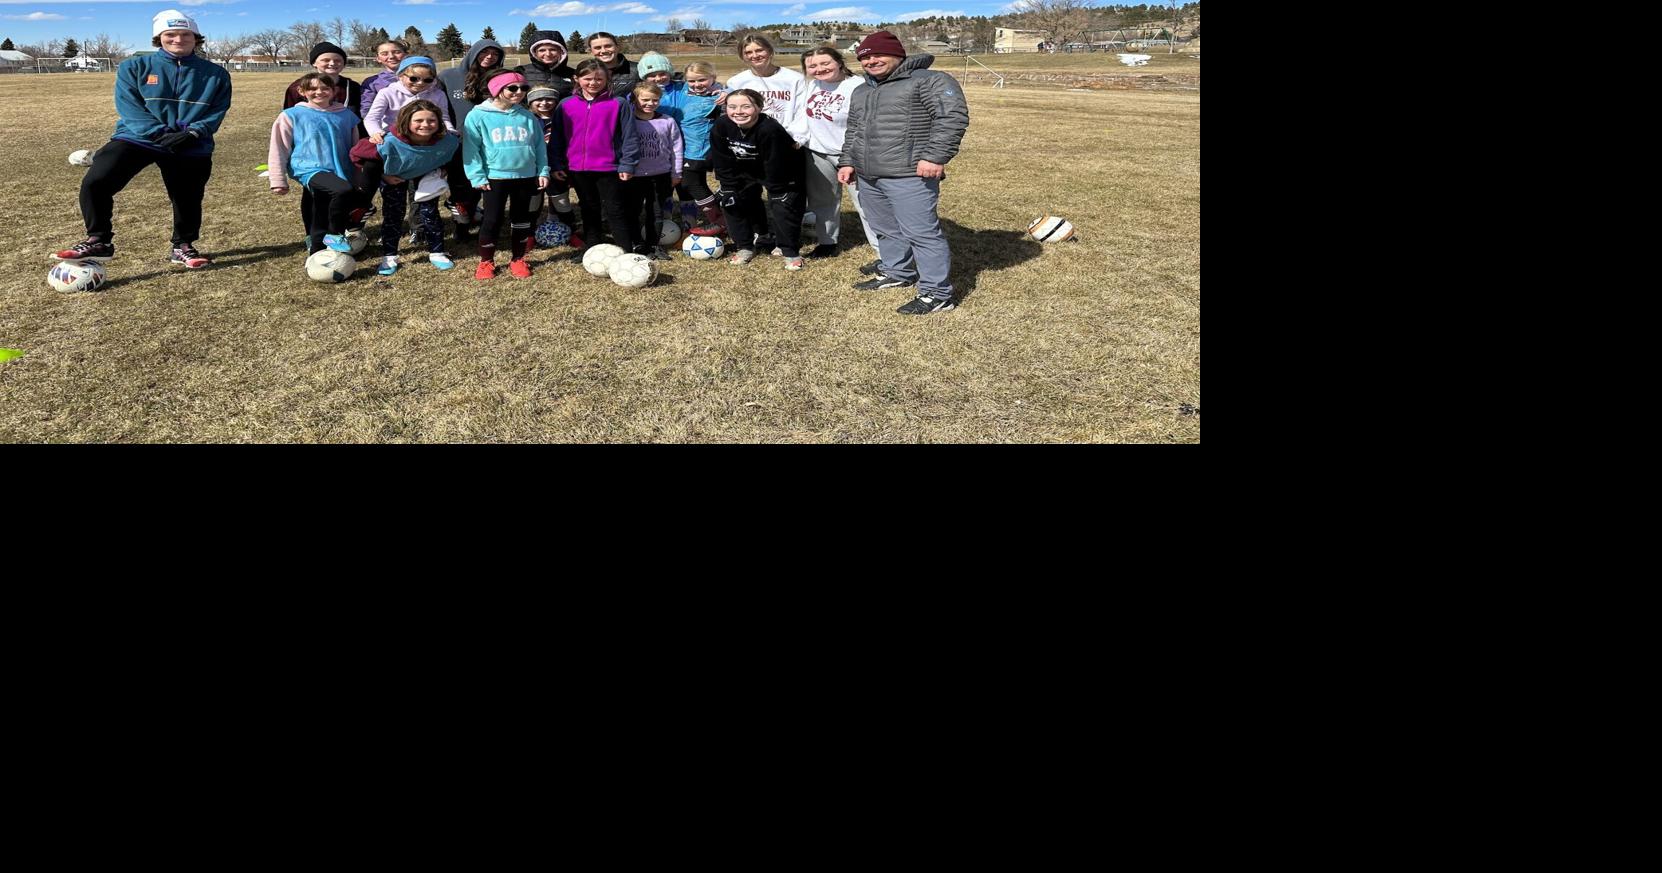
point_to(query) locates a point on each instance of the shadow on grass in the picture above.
(229, 258)
(973, 251)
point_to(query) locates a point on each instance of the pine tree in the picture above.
(450, 42)
(574, 42)
(488, 34)
(7, 46)
(526, 36)
(381, 35)
(71, 49)
(414, 39)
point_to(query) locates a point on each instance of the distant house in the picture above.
(1006, 40)
(934, 46)
(11, 62)
(802, 36)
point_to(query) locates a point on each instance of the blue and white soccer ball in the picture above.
(76, 276)
(702, 248)
(553, 233)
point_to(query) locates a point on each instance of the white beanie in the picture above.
(172, 19)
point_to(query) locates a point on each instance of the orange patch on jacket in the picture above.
(151, 79)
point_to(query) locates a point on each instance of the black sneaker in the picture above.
(823, 252)
(187, 256)
(87, 250)
(925, 305)
(881, 282)
(872, 268)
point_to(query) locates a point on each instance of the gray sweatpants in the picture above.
(825, 199)
(910, 242)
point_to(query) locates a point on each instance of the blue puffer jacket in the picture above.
(159, 93)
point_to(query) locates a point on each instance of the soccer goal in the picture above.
(77, 64)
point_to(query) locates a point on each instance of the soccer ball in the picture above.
(598, 259)
(329, 265)
(81, 157)
(358, 240)
(634, 271)
(1051, 229)
(76, 276)
(669, 233)
(702, 248)
(552, 233)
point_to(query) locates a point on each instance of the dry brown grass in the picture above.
(1092, 342)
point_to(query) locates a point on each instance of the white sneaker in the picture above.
(389, 265)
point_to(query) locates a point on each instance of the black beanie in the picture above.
(325, 48)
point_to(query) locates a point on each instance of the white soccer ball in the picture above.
(1051, 229)
(598, 259)
(76, 276)
(81, 157)
(669, 233)
(329, 265)
(702, 248)
(634, 271)
(358, 240)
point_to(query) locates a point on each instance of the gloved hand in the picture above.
(176, 140)
(727, 199)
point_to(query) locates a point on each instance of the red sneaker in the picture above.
(519, 268)
(487, 270)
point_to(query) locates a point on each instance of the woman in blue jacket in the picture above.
(169, 104)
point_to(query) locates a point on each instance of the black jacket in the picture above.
(764, 154)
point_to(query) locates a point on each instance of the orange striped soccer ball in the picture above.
(1051, 229)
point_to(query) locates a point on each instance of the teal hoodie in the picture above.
(159, 93)
(502, 144)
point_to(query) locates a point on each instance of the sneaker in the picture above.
(440, 260)
(87, 250)
(872, 269)
(356, 217)
(926, 305)
(487, 270)
(389, 265)
(188, 257)
(658, 254)
(777, 252)
(337, 242)
(793, 264)
(741, 257)
(826, 251)
(519, 268)
(881, 282)
(459, 212)
(576, 242)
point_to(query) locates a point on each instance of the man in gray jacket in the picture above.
(902, 129)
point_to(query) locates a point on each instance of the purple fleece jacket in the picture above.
(599, 135)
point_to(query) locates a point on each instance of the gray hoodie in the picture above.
(455, 79)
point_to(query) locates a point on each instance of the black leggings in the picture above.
(695, 185)
(751, 215)
(602, 192)
(643, 196)
(118, 162)
(517, 194)
(333, 199)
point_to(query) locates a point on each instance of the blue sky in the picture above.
(35, 21)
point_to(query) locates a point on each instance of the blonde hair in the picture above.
(648, 88)
(702, 68)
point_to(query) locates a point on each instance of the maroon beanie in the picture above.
(880, 43)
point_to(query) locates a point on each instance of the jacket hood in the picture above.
(474, 50)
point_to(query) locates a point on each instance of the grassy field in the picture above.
(1096, 341)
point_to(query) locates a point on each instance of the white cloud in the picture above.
(559, 10)
(929, 13)
(633, 9)
(35, 16)
(843, 13)
(794, 9)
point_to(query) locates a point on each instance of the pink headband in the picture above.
(503, 80)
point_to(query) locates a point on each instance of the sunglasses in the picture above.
(416, 80)
(513, 89)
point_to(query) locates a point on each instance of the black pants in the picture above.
(461, 190)
(751, 215)
(118, 162)
(516, 194)
(695, 185)
(643, 199)
(392, 220)
(333, 200)
(602, 192)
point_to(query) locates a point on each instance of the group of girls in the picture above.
(501, 140)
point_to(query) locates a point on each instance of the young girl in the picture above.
(390, 54)
(543, 100)
(784, 90)
(749, 151)
(600, 152)
(466, 87)
(312, 142)
(826, 110)
(693, 105)
(506, 159)
(658, 172)
(416, 80)
(414, 146)
(328, 59)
